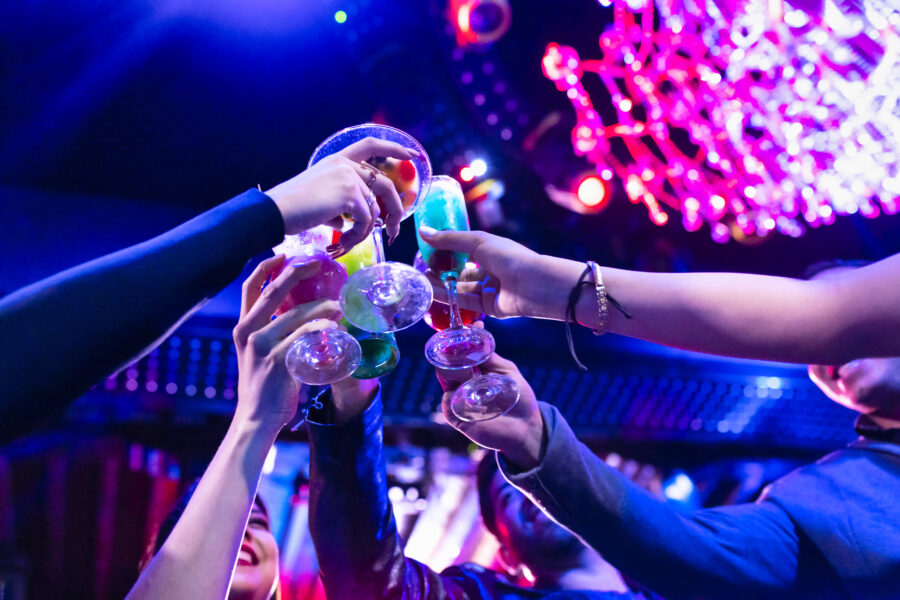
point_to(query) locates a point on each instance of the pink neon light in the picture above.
(786, 118)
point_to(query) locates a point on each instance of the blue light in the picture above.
(679, 488)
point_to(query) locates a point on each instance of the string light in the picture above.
(783, 119)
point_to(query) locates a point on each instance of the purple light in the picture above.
(793, 123)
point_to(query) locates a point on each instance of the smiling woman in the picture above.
(256, 572)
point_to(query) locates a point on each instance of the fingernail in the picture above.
(392, 239)
(425, 230)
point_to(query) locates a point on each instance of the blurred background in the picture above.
(120, 119)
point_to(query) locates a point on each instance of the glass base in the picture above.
(485, 397)
(459, 348)
(380, 356)
(323, 357)
(386, 297)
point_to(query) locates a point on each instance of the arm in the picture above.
(350, 517)
(741, 551)
(825, 321)
(63, 334)
(738, 551)
(198, 557)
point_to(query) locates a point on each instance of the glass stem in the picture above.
(378, 238)
(450, 286)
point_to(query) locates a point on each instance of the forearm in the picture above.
(197, 559)
(63, 334)
(351, 519)
(753, 316)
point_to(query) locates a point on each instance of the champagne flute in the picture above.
(327, 355)
(460, 346)
(438, 315)
(385, 296)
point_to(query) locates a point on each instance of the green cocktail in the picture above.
(380, 353)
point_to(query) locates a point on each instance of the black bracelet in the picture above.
(574, 295)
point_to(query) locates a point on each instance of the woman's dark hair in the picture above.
(484, 475)
(168, 524)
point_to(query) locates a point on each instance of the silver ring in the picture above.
(370, 198)
(373, 173)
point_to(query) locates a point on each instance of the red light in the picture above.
(592, 192)
(466, 174)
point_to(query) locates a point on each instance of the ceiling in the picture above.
(166, 108)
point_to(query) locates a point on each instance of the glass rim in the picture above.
(425, 178)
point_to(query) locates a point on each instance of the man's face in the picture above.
(867, 385)
(527, 534)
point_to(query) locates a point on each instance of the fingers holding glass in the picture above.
(385, 296)
(261, 275)
(314, 355)
(459, 346)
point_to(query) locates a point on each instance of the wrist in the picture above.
(253, 430)
(351, 397)
(526, 454)
(558, 276)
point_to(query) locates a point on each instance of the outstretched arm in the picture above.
(61, 335)
(744, 551)
(825, 321)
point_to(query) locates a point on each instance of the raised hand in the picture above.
(341, 184)
(511, 280)
(518, 434)
(266, 391)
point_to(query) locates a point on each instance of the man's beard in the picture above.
(547, 546)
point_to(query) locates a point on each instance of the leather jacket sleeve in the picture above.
(351, 519)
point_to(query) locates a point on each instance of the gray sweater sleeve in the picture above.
(748, 550)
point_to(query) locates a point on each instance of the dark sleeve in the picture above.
(351, 519)
(740, 551)
(61, 335)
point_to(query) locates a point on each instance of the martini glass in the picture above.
(385, 296)
(327, 355)
(460, 346)
(380, 353)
